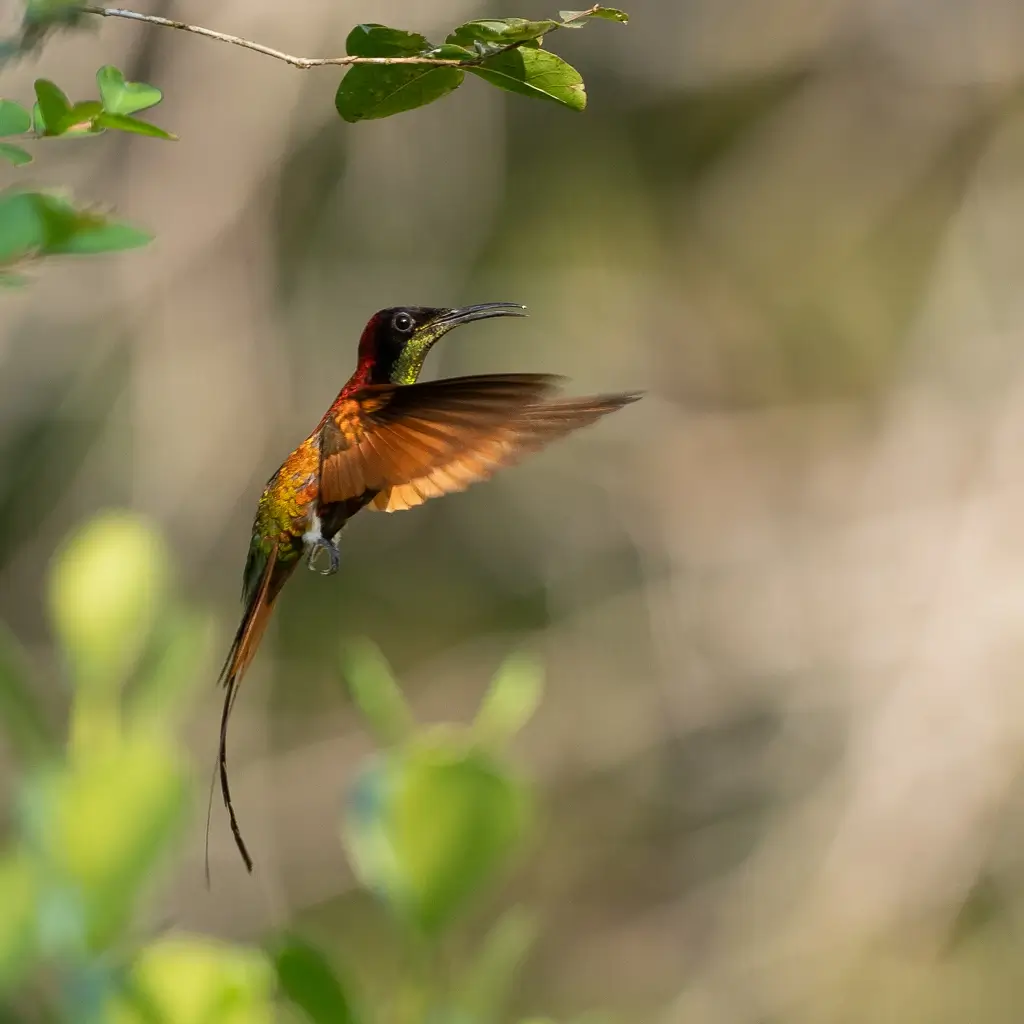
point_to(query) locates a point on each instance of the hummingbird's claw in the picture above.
(333, 554)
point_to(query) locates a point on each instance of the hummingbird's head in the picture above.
(396, 341)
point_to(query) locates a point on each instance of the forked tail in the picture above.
(243, 648)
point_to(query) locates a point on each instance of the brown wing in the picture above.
(387, 435)
(530, 429)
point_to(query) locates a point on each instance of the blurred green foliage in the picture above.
(430, 823)
(34, 224)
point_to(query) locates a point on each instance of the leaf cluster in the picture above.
(54, 115)
(505, 52)
(36, 224)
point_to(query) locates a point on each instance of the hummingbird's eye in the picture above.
(403, 323)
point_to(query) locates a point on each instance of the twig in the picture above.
(224, 37)
(298, 62)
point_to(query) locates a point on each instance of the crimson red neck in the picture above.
(368, 344)
(362, 376)
(366, 359)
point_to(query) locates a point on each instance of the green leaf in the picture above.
(429, 825)
(123, 123)
(98, 235)
(73, 130)
(73, 231)
(376, 694)
(371, 40)
(15, 154)
(368, 91)
(75, 122)
(79, 120)
(537, 73)
(121, 97)
(607, 13)
(24, 722)
(484, 991)
(60, 220)
(14, 118)
(53, 105)
(47, 223)
(499, 30)
(309, 981)
(107, 590)
(611, 14)
(22, 231)
(511, 701)
(196, 980)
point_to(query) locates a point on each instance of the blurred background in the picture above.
(781, 601)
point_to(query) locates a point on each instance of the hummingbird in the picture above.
(389, 442)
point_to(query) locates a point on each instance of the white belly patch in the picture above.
(313, 533)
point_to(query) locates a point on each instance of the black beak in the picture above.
(466, 314)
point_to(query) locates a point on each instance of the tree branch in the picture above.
(269, 51)
(298, 62)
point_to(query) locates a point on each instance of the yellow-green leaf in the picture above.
(107, 588)
(486, 985)
(123, 123)
(121, 97)
(511, 701)
(428, 826)
(196, 980)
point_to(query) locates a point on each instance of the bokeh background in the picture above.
(781, 601)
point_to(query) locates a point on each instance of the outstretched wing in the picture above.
(418, 441)
(534, 427)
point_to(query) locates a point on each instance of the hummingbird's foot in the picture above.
(320, 545)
